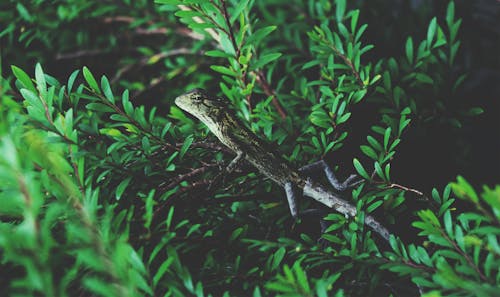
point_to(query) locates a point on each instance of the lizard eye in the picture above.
(197, 99)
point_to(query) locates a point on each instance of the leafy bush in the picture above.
(102, 196)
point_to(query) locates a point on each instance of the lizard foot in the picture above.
(321, 165)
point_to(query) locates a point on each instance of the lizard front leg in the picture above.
(330, 175)
(232, 165)
(220, 177)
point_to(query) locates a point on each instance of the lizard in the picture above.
(216, 114)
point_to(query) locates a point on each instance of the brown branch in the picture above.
(118, 19)
(397, 186)
(81, 53)
(463, 254)
(182, 177)
(145, 60)
(159, 31)
(208, 145)
(262, 81)
(230, 28)
(347, 61)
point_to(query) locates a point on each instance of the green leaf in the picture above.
(41, 85)
(90, 80)
(226, 44)
(23, 12)
(223, 70)
(23, 78)
(258, 35)
(256, 292)
(242, 4)
(217, 54)
(450, 13)
(387, 171)
(374, 143)
(359, 168)
(354, 20)
(475, 111)
(170, 2)
(448, 224)
(32, 98)
(71, 79)
(278, 257)
(431, 31)
(369, 152)
(310, 64)
(424, 78)
(409, 50)
(99, 107)
(195, 25)
(121, 187)
(189, 14)
(236, 233)
(340, 10)
(387, 135)
(280, 287)
(343, 118)
(185, 146)
(164, 267)
(359, 95)
(464, 190)
(107, 89)
(374, 206)
(265, 59)
(302, 278)
(379, 171)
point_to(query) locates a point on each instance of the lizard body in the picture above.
(223, 123)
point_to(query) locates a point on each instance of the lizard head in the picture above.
(200, 104)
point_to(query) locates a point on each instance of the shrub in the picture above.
(104, 197)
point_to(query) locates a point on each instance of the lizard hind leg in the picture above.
(330, 175)
(313, 213)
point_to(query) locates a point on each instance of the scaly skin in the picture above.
(223, 123)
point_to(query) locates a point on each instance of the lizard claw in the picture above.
(351, 181)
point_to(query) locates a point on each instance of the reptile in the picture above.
(216, 114)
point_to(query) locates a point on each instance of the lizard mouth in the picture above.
(181, 101)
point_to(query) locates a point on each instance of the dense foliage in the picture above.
(108, 191)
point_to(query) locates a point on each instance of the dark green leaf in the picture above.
(431, 31)
(121, 187)
(360, 169)
(107, 89)
(23, 78)
(91, 80)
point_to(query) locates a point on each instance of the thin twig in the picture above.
(81, 53)
(208, 145)
(346, 60)
(262, 81)
(182, 177)
(391, 186)
(230, 28)
(156, 57)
